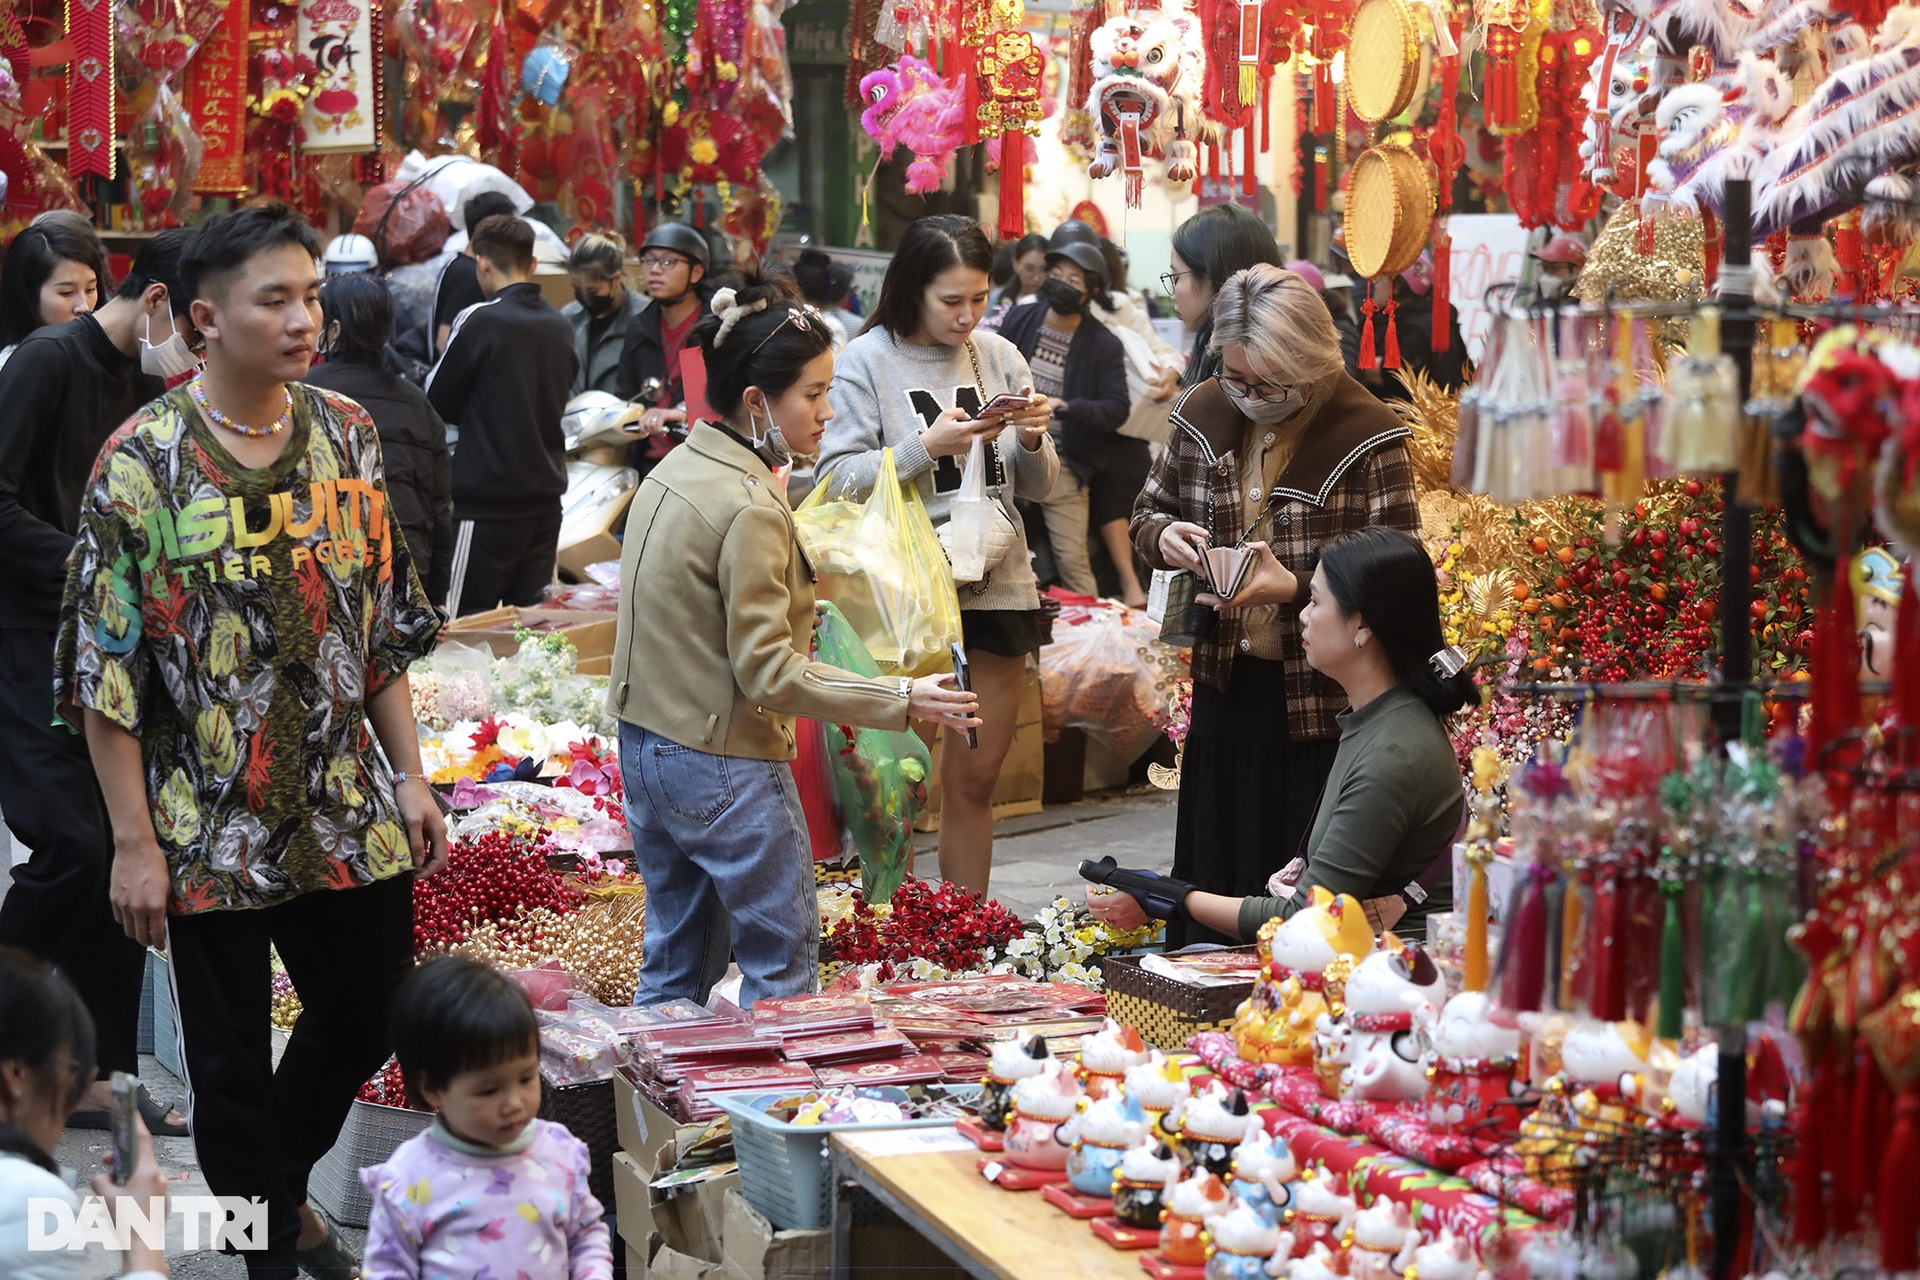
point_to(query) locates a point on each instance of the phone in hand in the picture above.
(963, 681)
(1002, 405)
(125, 1105)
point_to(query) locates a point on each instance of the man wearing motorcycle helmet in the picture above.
(674, 262)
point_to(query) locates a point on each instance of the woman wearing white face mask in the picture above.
(710, 664)
(1281, 452)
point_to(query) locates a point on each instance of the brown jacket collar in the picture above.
(1344, 423)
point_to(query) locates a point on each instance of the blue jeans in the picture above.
(722, 845)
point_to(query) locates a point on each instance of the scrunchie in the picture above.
(731, 312)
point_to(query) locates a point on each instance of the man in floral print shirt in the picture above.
(237, 612)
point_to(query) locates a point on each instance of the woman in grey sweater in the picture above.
(915, 381)
(1387, 818)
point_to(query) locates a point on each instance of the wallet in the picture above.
(1227, 569)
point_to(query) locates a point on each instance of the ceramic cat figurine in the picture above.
(1471, 1064)
(1240, 1242)
(1107, 1056)
(1606, 1066)
(1323, 1210)
(1275, 1024)
(1264, 1175)
(1012, 1062)
(1383, 1242)
(1450, 1257)
(1042, 1105)
(1159, 1086)
(1212, 1125)
(1332, 1050)
(1382, 995)
(1321, 1263)
(1189, 1205)
(1101, 1134)
(1690, 1089)
(1140, 1185)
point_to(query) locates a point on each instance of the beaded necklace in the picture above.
(197, 389)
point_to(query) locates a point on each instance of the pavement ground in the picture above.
(1034, 862)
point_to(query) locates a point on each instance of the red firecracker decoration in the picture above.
(90, 89)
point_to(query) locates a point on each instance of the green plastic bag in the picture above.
(879, 775)
(881, 562)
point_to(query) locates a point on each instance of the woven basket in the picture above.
(370, 1136)
(1389, 210)
(587, 1112)
(1383, 59)
(1168, 1013)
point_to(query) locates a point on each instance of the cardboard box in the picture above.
(668, 1263)
(755, 1251)
(636, 1261)
(632, 1209)
(643, 1128)
(1022, 777)
(692, 1218)
(591, 633)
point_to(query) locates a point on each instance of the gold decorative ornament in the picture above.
(1389, 210)
(1383, 60)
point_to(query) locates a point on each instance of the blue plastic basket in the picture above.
(783, 1167)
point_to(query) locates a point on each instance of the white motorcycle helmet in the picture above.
(588, 414)
(351, 254)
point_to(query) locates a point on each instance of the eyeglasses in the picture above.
(664, 262)
(1258, 392)
(801, 318)
(1168, 279)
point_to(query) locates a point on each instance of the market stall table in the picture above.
(989, 1231)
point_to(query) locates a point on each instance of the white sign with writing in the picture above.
(1488, 249)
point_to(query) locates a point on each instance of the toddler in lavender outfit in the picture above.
(488, 1190)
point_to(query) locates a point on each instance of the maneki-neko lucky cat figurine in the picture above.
(1265, 1174)
(1107, 1056)
(1012, 1062)
(1141, 1183)
(1470, 1065)
(1450, 1257)
(1159, 1086)
(1212, 1126)
(1240, 1242)
(1101, 1135)
(1386, 990)
(1322, 1213)
(1383, 1241)
(1042, 1105)
(1189, 1205)
(1275, 1024)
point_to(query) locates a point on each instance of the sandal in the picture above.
(152, 1111)
(330, 1259)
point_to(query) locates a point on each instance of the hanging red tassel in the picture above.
(1857, 1179)
(1248, 183)
(1836, 667)
(1393, 333)
(1367, 360)
(1325, 118)
(1897, 1198)
(1906, 664)
(1213, 163)
(1319, 179)
(1607, 941)
(1013, 184)
(1266, 111)
(1523, 952)
(1810, 1158)
(1442, 290)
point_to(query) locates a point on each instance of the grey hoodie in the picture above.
(885, 392)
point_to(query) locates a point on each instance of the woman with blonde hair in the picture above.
(601, 310)
(1281, 452)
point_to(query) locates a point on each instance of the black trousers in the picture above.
(507, 561)
(1247, 790)
(258, 1130)
(57, 908)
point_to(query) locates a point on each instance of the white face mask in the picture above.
(168, 359)
(1266, 411)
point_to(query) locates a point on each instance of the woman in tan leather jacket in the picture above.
(710, 666)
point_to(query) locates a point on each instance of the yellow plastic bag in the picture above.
(881, 563)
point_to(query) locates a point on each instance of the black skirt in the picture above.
(1247, 790)
(1009, 633)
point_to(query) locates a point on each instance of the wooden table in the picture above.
(991, 1232)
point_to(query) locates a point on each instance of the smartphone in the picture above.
(126, 1103)
(963, 681)
(1002, 405)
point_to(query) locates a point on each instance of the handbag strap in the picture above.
(980, 390)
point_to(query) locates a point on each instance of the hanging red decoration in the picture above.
(1010, 69)
(90, 89)
(217, 100)
(493, 125)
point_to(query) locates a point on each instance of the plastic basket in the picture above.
(370, 1136)
(1168, 1013)
(783, 1167)
(587, 1112)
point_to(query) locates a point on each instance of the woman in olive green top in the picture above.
(1391, 807)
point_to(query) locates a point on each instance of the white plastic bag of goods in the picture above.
(455, 178)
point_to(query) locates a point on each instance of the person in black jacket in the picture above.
(1081, 367)
(503, 384)
(66, 388)
(673, 264)
(356, 326)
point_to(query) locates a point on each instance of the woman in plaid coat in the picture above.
(1282, 452)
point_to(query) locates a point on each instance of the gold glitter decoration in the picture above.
(286, 1010)
(520, 943)
(1674, 272)
(600, 946)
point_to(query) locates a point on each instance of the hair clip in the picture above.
(1449, 662)
(732, 312)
